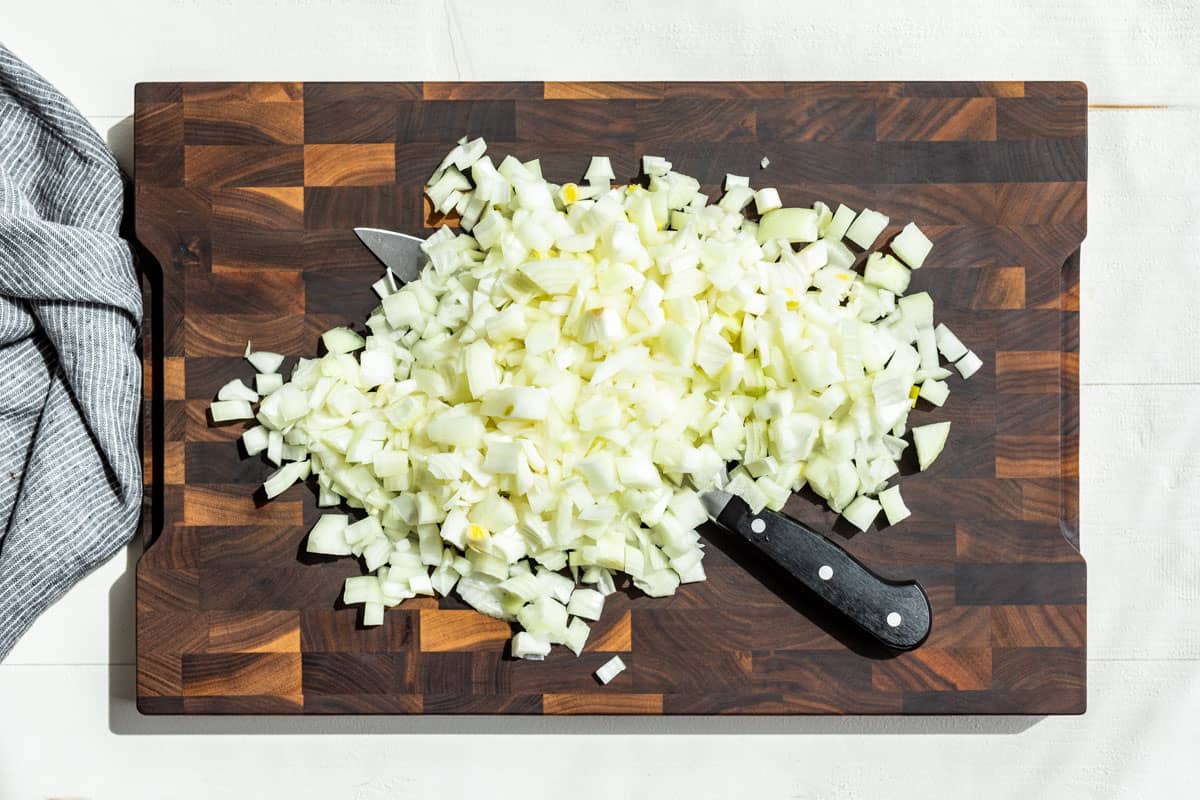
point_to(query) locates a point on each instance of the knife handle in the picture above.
(894, 613)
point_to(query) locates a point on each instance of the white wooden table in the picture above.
(68, 727)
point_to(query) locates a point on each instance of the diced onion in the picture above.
(948, 344)
(861, 512)
(229, 410)
(969, 364)
(610, 669)
(911, 245)
(557, 387)
(866, 228)
(893, 505)
(929, 441)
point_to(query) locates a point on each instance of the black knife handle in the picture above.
(895, 613)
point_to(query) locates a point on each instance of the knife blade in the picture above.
(896, 614)
(399, 252)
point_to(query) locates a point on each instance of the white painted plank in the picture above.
(1140, 502)
(1141, 259)
(1127, 52)
(1138, 733)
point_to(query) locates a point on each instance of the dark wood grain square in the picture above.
(921, 119)
(241, 122)
(1041, 118)
(159, 124)
(847, 119)
(606, 123)
(698, 120)
(243, 165)
(271, 674)
(429, 120)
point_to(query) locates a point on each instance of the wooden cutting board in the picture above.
(246, 194)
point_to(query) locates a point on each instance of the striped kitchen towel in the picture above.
(70, 473)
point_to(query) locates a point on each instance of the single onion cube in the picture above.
(526, 645)
(912, 246)
(586, 603)
(929, 440)
(934, 391)
(610, 669)
(866, 228)
(949, 345)
(767, 200)
(861, 512)
(969, 364)
(229, 410)
(842, 218)
(893, 505)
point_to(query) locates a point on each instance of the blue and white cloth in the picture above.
(70, 378)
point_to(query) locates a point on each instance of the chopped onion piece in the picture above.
(911, 245)
(935, 392)
(929, 441)
(766, 200)
(236, 390)
(840, 223)
(969, 364)
(861, 512)
(586, 603)
(788, 224)
(255, 440)
(577, 635)
(267, 382)
(600, 170)
(341, 340)
(328, 536)
(886, 273)
(229, 410)
(948, 344)
(893, 505)
(264, 361)
(554, 389)
(526, 645)
(610, 669)
(764, 163)
(866, 228)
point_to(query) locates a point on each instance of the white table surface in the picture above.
(68, 727)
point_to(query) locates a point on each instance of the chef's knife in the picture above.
(894, 613)
(399, 252)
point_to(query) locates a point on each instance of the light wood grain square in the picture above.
(1039, 626)
(242, 674)
(1027, 456)
(349, 164)
(936, 119)
(1028, 372)
(460, 630)
(1000, 288)
(254, 632)
(174, 387)
(174, 472)
(602, 703)
(931, 669)
(264, 207)
(234, 505)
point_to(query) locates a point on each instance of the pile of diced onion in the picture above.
(538, 413)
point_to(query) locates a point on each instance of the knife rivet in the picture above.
(894, 619)
(825, 572)
(757, 525)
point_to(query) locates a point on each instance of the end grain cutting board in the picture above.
(246, 194)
